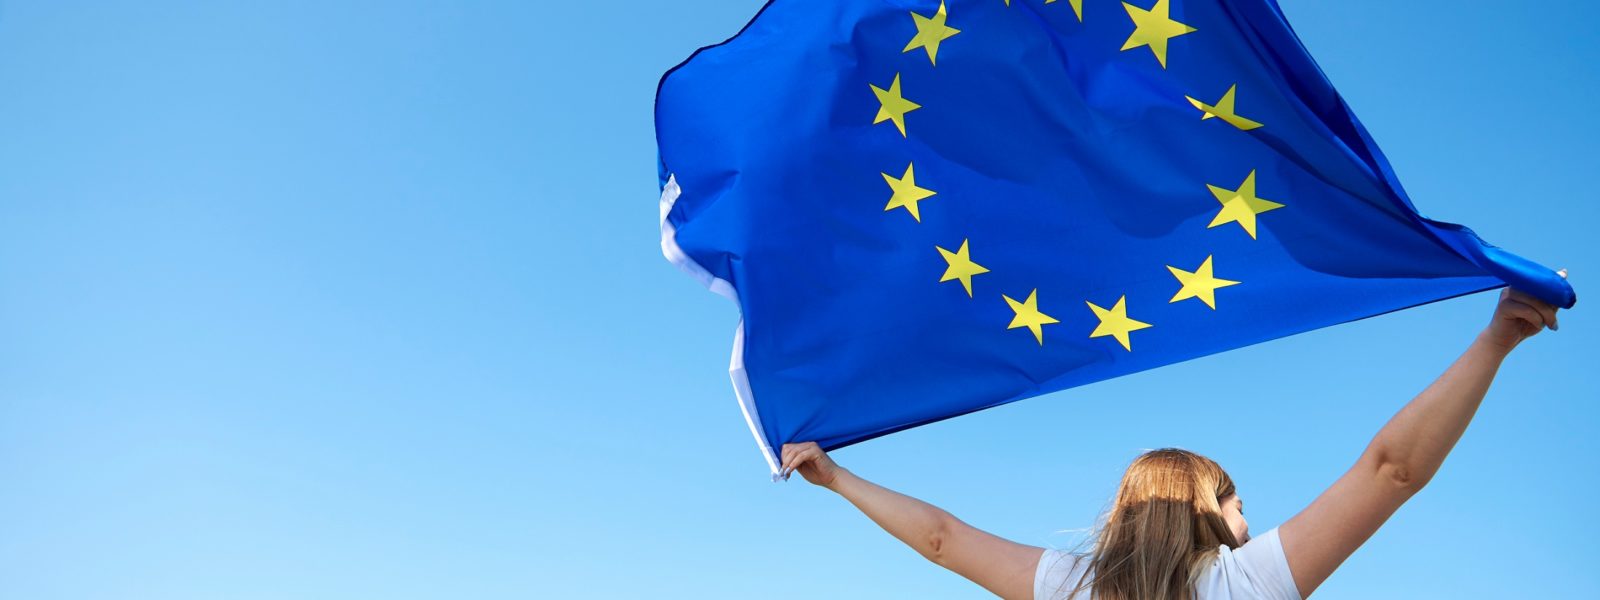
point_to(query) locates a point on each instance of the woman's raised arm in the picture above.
(1408, 450)
(1001, 566)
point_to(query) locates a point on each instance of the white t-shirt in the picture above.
(1256, 570)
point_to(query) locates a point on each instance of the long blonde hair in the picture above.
(1163, 529)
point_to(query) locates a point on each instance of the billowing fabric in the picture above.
(924, 209)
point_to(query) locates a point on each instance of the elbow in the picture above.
(1401, 476)
(933, 543)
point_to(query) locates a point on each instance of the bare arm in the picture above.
(1407, 452)
(1001, 566)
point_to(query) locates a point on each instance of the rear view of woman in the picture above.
(1177, 531)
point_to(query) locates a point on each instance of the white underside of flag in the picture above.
(741, 380)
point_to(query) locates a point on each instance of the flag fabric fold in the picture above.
(924, 209)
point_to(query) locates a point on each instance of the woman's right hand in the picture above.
(812, 463)
(1518, 317)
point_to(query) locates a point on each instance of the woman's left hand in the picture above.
(811, 461)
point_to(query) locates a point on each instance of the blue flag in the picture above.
(925, 209)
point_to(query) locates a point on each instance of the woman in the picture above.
(1177, 527)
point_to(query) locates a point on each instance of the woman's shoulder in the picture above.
(1059, 572)
(1258, 569)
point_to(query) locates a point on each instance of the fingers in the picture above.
(1546, 311)
(795, 455)
(1524, 312)
(787, 464)
(807, 454)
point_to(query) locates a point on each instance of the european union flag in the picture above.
(926, 209)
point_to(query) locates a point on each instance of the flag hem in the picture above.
(741, 379)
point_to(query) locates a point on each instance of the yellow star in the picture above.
(960, 267)
(1154, 28)
(930, 31)
(1224, 110)
(1028, 315)
(892, 106)
(906, 192)
(1241, 206)
(1077, 7)
(1115, 322)
(1199, 284)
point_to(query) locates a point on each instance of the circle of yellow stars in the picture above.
(1154, 28)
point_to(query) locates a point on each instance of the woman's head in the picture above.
(1160, 482)
(1172, 510)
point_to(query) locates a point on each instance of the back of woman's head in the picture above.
(1163, 528)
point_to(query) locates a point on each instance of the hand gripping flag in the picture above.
(926, 209)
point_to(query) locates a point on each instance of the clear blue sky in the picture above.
(365, 300)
